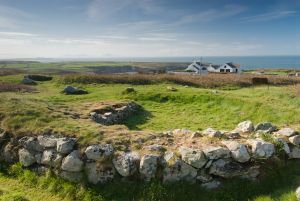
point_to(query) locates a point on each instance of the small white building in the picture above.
(197, 67)
(225, 68)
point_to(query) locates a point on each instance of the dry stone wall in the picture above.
(101, 163)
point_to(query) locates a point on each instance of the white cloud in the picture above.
(270, 16)
(211, 14)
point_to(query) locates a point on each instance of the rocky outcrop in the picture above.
(70, 90)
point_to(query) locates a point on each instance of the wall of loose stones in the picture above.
(100, 163)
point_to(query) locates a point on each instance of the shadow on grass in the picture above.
(279, 184)
(138, 118)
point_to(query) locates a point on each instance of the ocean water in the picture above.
(246, 62)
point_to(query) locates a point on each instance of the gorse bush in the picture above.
(206, 81)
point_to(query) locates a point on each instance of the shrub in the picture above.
(206, 81)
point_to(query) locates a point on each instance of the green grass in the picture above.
(189, 107)
(278, 184)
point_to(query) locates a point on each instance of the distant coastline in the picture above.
(246, 62)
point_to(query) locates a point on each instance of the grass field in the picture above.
(188, 107)
(43, 108)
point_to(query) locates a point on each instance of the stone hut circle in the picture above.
(113, 113)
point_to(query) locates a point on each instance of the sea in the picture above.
(246, 62)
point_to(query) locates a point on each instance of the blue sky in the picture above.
(148, 28)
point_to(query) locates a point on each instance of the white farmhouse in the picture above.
(225, 68)
(204, 68)
(197, 67)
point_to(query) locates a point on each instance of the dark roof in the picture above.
(232, 65)
(215, 66)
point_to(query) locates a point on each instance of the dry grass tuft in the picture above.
(8, 71)
(9, 87)
(206, 81)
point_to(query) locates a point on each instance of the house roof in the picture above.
(232, 65)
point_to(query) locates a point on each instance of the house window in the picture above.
(224, 66)
(227, 70)
(222, 70)
(236, 70)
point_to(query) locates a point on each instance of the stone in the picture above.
(193, 157)
(72, 162)
(148, 166)
(170, 88)
(295, 140)
(233, 135)
(245, 127)
(47, 141)
(227, 168)
(10, 153)
(265, 127)
(99, 152)
(176, 170)
(126, 163)
(28, 81)
(287, 132)
(196, 134)
(38, 158)
(262, 149)
(51, 158)
(71, 176)
(129, 90)
(182, 131)
(298, 193)
(26, 158)
(295, 152)
(65, 145)
(211, 185)
(31, 143)
(216, 152)
(203, 176)
(154, 147)
(98, 172)
(212, 133)
(238, 151)
(4, 136)
(284, 144)
(70, 90)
